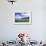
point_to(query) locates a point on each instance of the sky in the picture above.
(21, 15)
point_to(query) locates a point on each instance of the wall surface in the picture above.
(9, 31)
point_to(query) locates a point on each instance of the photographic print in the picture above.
(22, 17)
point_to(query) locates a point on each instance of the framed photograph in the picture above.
(22, 17)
